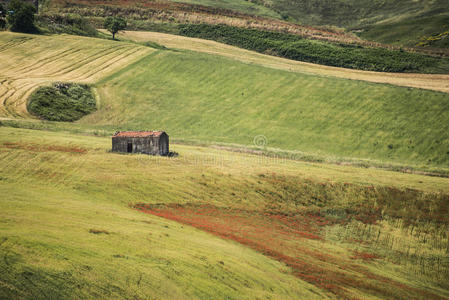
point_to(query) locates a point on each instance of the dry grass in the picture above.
(39, 148)
(30, 61)
(424, 81)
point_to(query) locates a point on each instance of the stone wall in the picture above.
(146, 145)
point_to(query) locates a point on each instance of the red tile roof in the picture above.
(138, 134)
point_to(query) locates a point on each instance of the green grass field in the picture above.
(68, 223)
(67, 228)
(48, 251)
(435, 82)
(409, 32)
(234, 102)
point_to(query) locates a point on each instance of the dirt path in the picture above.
(434, 82)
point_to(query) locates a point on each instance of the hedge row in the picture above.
(325, 53)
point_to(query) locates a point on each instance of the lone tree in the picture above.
(20, 16)
(114, 25)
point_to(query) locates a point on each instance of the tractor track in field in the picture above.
(27, 63)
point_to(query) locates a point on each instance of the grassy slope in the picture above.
(248, 7)
(398, 22)
(357, 12)
(48, 252)
(293, 47)
(408, 32)
(424, 81)
(53, 197)
(316, 12)
(401, 22)
(234, 102)
(29, 61)
(241, 6)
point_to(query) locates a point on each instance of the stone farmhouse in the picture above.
(147, 142)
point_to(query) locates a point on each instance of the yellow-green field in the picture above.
(220, 224)
(67, 227)
(30, 61)
(424, 81)
(232, 95)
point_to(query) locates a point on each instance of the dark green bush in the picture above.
(66, 102)
(20, 16)
(320, 52)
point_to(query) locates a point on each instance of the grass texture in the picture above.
(68, 226)
(410, 32)
(30, 61)
(437, 82)
(233, 102)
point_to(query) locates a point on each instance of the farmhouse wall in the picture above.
(154, 145)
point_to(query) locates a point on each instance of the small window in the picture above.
(130, 147)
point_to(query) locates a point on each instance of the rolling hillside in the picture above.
(68, 226)
(324, 117)
(233, 102)
(265, 199)
(358, 12)
(423, 81)
(428, 31)
(30, 61)
(395, 22)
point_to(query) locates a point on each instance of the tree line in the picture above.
(19, 15)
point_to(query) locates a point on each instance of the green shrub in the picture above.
(320, 52)
(20, 16)
(62, 102)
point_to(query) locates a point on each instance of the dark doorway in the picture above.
(130, 147)
(163, 145)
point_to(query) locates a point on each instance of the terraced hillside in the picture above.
(68, 227)
(29, 61)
